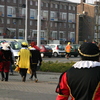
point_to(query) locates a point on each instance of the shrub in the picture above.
(51, 66)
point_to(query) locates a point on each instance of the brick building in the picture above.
(58, 20)
(88, 22)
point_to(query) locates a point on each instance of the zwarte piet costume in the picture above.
(82, 81)
(6, 60)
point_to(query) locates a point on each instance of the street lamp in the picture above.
(39, 23)
(26, 22)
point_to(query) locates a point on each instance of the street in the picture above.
(61, 59)
(44, 89)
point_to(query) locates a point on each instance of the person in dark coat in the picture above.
(35, 59)
(82, 80)
(6, 60)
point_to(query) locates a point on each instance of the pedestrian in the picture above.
(6, 60)
(68, 50)
(82, 81)
(24, 60)
(11, 66)
(33, 44)
(35, 60)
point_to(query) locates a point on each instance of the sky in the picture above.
(87, 1)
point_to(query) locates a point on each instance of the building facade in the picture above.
(88, 22)
(58, 20)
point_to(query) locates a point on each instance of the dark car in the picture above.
(74, 50)
(46, 51)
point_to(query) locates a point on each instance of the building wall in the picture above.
(60, 28)
(86, 14)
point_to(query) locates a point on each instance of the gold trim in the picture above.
(88, 55)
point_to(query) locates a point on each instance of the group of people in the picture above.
(28, 58)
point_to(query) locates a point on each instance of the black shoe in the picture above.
(23, 79)
(2, 79)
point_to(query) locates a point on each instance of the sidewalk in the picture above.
(44, 89)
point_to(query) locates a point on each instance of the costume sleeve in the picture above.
(62, 88)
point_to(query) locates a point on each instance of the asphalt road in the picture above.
(61, 59)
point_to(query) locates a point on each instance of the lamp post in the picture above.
(26, 22)
(39, 23)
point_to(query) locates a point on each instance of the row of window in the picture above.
(43, 4)
(11, 12)
(31, 23)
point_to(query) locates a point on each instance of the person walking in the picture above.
(68, 50)
(82, 81)
(6, 60)
(35, 60)
(24, 60)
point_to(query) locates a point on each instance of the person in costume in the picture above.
(35, 59)
(68, 50)
(82, 80)
(6, 60)
(24, 60)
(33, 44)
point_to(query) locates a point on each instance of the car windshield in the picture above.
(47, 46)
(16, 45)
(61, 47)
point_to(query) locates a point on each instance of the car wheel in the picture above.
(55, 54)
(42, 55)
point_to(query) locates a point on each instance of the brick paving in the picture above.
(44, 89)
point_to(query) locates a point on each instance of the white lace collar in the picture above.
(86, 64)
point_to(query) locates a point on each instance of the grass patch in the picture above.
(51, 66)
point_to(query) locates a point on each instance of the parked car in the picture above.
(58, 50)
(74, 50)
(46, 51)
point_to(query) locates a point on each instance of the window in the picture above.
(51, 5)
(60, 6)
(71, 17)
(56, 6)
(42, 34)
(31, 3)
(14, 21)
(65, 7)
(8, 21)
(14, 1)
(64, 25)
(1, 10)
(31, 23)
(54, 35)
(53, 14)
(36, 3)
(55, 24)
(41, 4)
(20, 1)
(32, 13)
(8, 0)
(11, 12)
(64, 16)
(51, 24)
(73, 7)
(69, 7)
(45, 14)
(20, 21)
(1, 20)
(46, 4)
(73, 26)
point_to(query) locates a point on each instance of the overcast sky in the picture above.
(87, 1)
